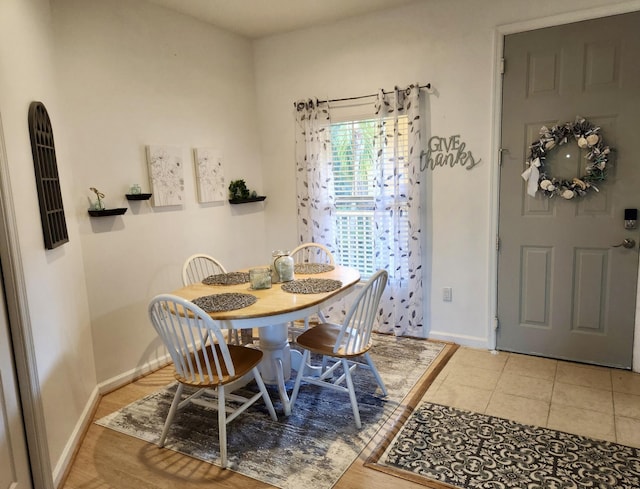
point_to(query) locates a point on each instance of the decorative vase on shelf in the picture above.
(97, 205)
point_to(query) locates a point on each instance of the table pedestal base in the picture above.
(278, 359)
(276, 350)
(275, 367)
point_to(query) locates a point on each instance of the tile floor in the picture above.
(597, 402)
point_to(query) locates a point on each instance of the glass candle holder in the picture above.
(135, 189)
(260, 278)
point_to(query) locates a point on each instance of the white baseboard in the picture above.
(462, 340)
(109, 385)
(135, 373)
(75, 439)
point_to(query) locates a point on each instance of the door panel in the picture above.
(589, 299)
(536, 267)
(563, 290)
(14, 465)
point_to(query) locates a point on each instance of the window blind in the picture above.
(354, 169)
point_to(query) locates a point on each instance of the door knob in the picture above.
(627, 243)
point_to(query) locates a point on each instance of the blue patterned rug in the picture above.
(309, 449)
(474, 451)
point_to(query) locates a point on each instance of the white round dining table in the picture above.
(271, 313)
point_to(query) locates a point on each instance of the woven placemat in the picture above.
(312, 268)
(231, 278)
(224, 302)
(311, 285)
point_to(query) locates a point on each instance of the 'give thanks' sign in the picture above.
(447, 152)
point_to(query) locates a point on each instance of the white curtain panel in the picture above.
(398, 196)
(314, 175)
(315, 184)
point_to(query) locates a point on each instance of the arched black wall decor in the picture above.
(54, 224)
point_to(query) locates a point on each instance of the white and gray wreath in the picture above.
(587, 136)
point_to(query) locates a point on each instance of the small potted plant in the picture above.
(238, 190)
(239, 193)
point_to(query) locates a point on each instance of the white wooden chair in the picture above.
(202, 359)
(200, 266)
(310, 253)
(341, 344)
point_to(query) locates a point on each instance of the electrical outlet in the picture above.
(447, 294)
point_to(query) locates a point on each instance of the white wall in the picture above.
(450, 44)
(57, 297)
(132, 74)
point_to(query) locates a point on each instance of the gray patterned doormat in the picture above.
(469, 450)
(312, 447)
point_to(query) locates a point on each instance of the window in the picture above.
(358, 190)
(354, 169)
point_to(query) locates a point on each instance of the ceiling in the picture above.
(259, 18)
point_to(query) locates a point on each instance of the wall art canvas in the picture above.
(166, 175)
(209, 175)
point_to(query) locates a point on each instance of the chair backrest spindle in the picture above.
(186, 330)
(312, 253)
(357, 327)
(200, 266)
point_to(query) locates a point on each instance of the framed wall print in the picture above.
(209, 175)
(166, 175)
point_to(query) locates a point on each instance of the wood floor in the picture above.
(107, 459)
(505, 385)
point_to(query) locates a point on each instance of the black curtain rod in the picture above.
(427, 86)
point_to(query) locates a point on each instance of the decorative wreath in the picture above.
(587, 137)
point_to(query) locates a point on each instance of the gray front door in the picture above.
(564, 291)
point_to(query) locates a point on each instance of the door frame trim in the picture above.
(21, 332)
(500, 32)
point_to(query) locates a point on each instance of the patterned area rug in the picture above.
(470, 450)
(309, 449)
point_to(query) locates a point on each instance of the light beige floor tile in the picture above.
(628, 431)
(583, 422)
(530, 366)
(625, 381)
(461, 396)
(471, 357)
(471, 376)
(432, 389)
(582, 397)
(587, 376)
(520, 409)
(438, 380)
(627, 405)
(518, 387)
(445, 371)
(530, 387)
